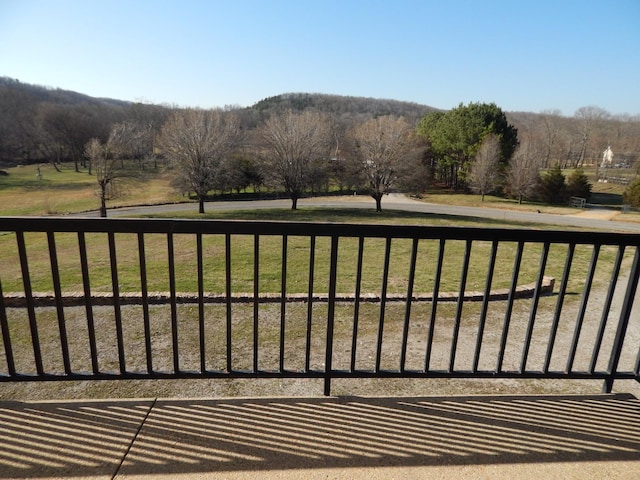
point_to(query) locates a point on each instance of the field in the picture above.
(23, 192)
(68, 191)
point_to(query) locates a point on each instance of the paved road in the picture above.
(595, 219)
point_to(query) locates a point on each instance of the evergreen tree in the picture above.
(578, 185)
(553, 188)
(631, 195)
(454, 138)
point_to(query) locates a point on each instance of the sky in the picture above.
(522, 55)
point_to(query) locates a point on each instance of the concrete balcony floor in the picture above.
(474, 437)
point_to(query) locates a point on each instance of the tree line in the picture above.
(471, 147)
(300, 142)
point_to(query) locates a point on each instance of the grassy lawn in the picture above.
(270, 267)
(491, 201)
(21, 193)
(68, 191)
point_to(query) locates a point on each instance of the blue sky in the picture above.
(524, 55)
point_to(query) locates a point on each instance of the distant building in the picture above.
(607, 158)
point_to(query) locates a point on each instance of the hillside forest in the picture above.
(300, 142)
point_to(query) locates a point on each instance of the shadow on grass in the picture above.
(348, 215)
(605, 199)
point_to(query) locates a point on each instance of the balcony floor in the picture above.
(541, 436)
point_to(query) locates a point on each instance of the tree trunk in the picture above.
(378, 199)
(200, 204)
(103, 201)
(55, 165)
(294, 202)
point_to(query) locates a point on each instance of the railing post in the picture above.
(625, 316)
(86, 284)
(142, 260)
(31, 309)
(55, 274)
(6, 339)
(115, 287)
(333, 267)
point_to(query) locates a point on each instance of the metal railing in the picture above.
(233, 299)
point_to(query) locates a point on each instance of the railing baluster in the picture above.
(383, 302)
(559, 304)
(312, 256)
(534, 307)
(407, 310)
(144, 291)
(201, 323)
(331, 310)
(173, 302)
(615, 272)
(434, 306)
(256, 299)
(623, 322)
(485, 305)
(636, 369)
(456, 325)
(356, 306)
(116, 301)
(6, 336)
(283, 302)
(229, 293)
(28, 294)
(507, 316)
(55, 276)
(86, 285)
(583, 308)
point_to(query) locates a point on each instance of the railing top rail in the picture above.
(265, 227)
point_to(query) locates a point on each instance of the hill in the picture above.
(41, 94)
(38, 124)
(340, 105)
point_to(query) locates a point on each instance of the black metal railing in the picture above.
(149, 298)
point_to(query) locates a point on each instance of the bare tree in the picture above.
(72, 127)
(133, 140)
(523, 174)
(197, 141)
(385, 148)
(107, 168)
(294, 147)
(485, 170)
(549, 131)
(588, 116)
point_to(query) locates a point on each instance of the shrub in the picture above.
(631, 195)
(553, 188)
(578, 185)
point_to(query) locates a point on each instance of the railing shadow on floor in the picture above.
(230, 436)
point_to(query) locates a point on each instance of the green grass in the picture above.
(21, 193)
(68, 191)
(270, 267)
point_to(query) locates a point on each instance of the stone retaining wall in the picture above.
(48, 299)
